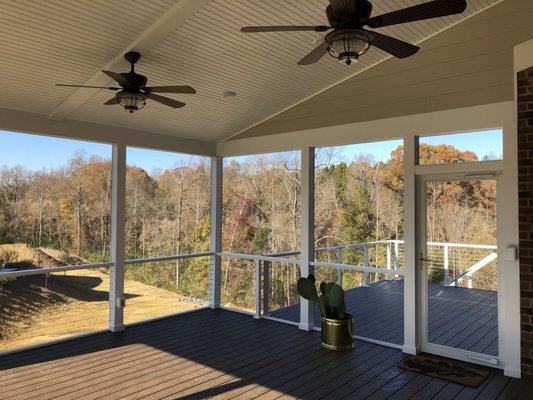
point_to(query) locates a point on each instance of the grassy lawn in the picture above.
(75, 302)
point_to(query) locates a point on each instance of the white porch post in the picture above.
(307, 230)
(411, 328)
(117, 245)
(215, 265)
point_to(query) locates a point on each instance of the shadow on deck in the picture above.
(221, 353)
(458, 317)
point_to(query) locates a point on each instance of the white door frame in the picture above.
(422, 292)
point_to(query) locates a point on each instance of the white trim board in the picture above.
(25, 122)
(441, 122)
(523, 56)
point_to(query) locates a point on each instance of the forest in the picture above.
(357, 200)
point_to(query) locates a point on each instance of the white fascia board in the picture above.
(523, 56)
(25, 122)
(490, 116)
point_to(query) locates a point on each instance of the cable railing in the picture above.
(459, 263)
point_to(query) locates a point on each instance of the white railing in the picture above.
(394, 256)
(14, 273)
(483, 260)
(474, 268)
(392, 268)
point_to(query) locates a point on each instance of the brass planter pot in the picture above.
(337, 334)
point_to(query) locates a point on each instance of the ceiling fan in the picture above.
(133, 91)
(348, 39)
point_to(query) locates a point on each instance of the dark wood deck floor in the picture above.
(458, 317)
(223, 354)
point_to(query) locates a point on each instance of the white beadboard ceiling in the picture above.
(68, 41)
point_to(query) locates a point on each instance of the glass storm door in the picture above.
(458, 267)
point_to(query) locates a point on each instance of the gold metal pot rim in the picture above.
(350, 318)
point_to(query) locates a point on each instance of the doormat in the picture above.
(447, 370)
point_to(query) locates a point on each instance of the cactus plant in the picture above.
(330, 301)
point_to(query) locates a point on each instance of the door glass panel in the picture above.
(461, 265)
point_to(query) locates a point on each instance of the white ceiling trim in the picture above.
(151, 37)
(357, 73)
(33, 123)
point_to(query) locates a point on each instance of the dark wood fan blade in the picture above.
(166, 101)
(398, 48)
(315, 55)
(111, 102)
(344, 8)
(171, 89)
(91, 87)
(258, 29)
(117, 78)
(433, 9)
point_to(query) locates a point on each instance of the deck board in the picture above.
(221, 354)
(458, 317)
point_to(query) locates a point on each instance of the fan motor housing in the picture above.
(363, 13)
(136, 80)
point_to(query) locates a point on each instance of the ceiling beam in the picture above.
(159, 30)
(26, 122)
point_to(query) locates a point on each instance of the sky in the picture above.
(36, 152)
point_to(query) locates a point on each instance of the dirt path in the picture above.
(87, 308)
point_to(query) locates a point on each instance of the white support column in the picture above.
(215, 265)
(117, 301)
(411, 328)
(396, 258)
(307, 230)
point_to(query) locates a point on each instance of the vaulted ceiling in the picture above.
(190, 42)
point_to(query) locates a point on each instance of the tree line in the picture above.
(167, 212)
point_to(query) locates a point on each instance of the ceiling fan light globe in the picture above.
(348, 45)
(132, 101)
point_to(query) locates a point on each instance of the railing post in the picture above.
(340, 271)
(215, 265)
(396, 257)
(389, 257)
(266, 287)
(366, 282)
(307, 227)
(446, 266)
(258, 285)
(117, 245)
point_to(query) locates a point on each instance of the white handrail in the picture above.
(167, 258)
(260, 258)
(358, 268)
(79, 267)
(44, 271)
